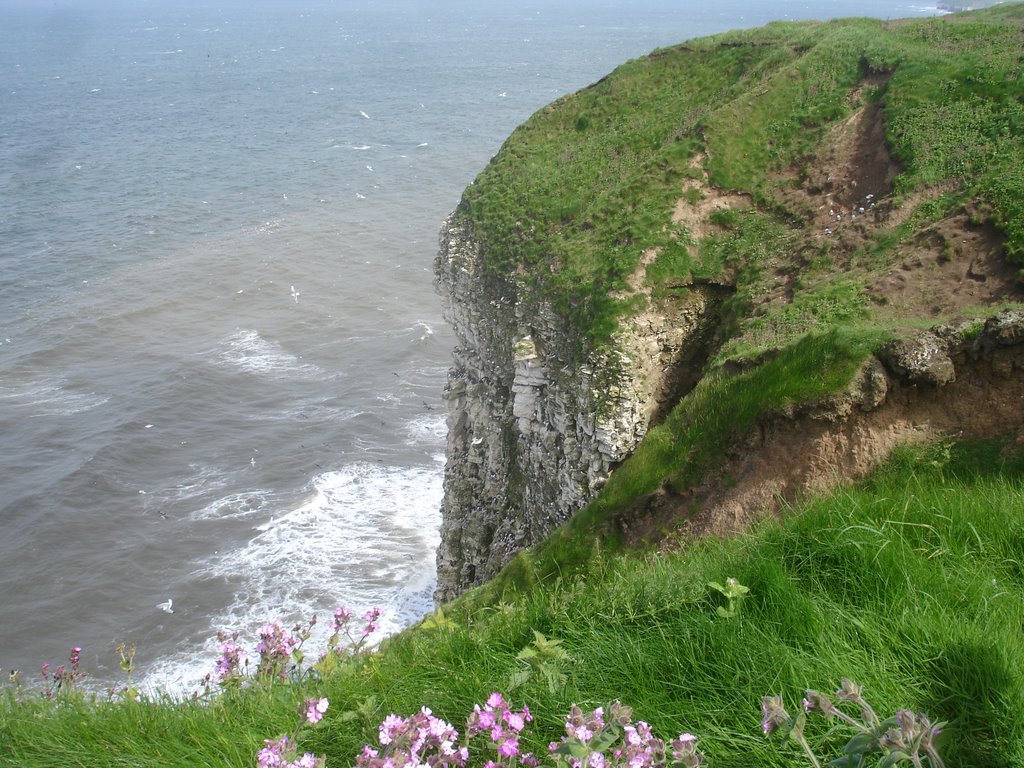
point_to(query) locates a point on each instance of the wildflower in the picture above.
(342, 616)
(276, 647)
(273, 754)
(582, 733)
(684, 751)
(315, 709)
(229, 665)
(389, 728)
(518, 720)
(371, 617)
(509, 747)
(814, 701)
(774, 714)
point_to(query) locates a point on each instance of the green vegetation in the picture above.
(676, 453)
(909, 583)
(589, 183)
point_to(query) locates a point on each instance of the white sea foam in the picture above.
(50, 397)
(425, 330)
(235, 506)
(365, 537)
(430, 428)
(247, 350)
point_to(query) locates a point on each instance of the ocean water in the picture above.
(221, 355)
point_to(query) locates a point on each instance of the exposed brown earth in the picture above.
(792, 455)
(844, 196)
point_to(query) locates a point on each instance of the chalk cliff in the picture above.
(534, 428)
(701, 212)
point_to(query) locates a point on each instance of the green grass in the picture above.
(588, 183)
(911, 583)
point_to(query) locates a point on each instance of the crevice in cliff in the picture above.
(683, 372)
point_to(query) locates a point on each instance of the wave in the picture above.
(365, 537)
(430, 428)
(250, 352)
(50, 398)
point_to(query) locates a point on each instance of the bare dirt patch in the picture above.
(949, 266)
(700, 200)
(844, 191)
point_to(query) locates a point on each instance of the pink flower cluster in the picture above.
(419, 740)
(314, 710)
(339, 624)
(63, 678)
(503, 726)
(342, 616)
(592, 740)
(281, 753)
(275, 649)
(231, 659)
(610, 740)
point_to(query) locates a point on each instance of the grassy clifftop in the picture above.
(746, 158)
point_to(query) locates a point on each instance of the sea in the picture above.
(221, 352)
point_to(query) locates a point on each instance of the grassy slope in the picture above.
(911, 583)
(588, 183)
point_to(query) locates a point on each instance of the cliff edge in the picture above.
(653, 249)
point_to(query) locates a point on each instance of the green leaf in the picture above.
(573, 749)
(862, 742)
(437, 621)
(526, 654)
(893, 758)
(796, 732)
(520, 677)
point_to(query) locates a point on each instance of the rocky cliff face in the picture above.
(532, 435)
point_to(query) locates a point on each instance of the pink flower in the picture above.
(389, 728)
(272, 755)
(582, 733)
(342, 616)
(516, 721)
(315, 709)
(509, 747)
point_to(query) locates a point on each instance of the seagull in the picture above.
(166, 607)
(295, 295)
